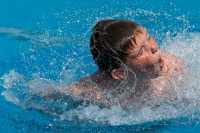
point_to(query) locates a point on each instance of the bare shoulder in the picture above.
(174, 69)
(86, 88)
(173, 63)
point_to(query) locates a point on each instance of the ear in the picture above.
(119, 73)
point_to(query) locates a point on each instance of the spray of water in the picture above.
(28, 89)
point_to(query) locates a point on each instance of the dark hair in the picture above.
(110, 41)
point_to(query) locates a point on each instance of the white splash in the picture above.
(29, 94)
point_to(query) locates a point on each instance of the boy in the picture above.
(132, 69)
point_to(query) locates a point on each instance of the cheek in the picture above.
(140, 63)
(143, 62)
(150, 60)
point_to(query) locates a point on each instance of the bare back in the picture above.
(98, 85)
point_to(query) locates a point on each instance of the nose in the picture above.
(153, 50)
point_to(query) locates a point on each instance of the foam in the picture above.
(30, 94)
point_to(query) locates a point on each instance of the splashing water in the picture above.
(57, 65)
(29, 93)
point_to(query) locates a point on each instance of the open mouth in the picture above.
(161, 62)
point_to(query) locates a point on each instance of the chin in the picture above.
(150, 76)
(153, 76)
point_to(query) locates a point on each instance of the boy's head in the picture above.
(110, 42)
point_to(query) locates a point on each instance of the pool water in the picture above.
(45, 44)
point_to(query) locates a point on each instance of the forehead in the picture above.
(142, 36)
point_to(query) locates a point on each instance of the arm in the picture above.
(76, 90)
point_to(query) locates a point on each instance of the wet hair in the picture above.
(110, 41)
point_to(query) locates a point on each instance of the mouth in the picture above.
(161, 62)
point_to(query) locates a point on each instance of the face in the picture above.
(145, 57)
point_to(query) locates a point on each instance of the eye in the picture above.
(149, 37)
(141, 52)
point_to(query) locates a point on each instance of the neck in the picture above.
(108, 83)
(142, 82)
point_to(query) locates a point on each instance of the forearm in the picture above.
(59, 93)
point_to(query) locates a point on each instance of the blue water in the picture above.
(45, 44)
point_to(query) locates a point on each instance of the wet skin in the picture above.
(145, 58)
(153, 68)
